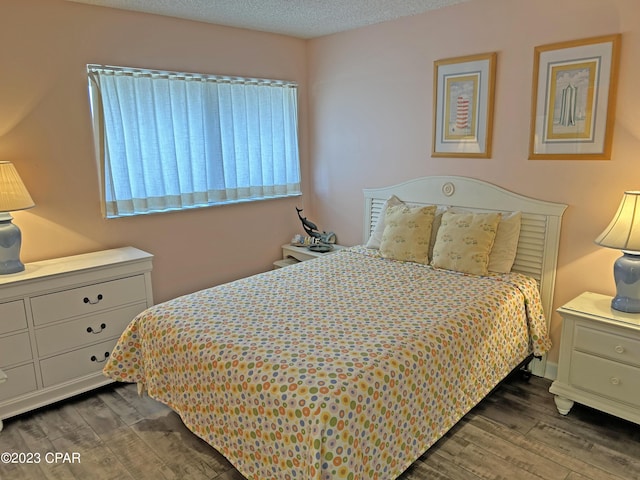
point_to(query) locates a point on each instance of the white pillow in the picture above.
(376, 236)
(503, 253)
(441, 210)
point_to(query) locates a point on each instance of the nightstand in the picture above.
(599, 362)
(292, 254)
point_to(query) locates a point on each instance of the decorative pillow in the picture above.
(503, 253)
(376, 235)
(464, 242)
(407, 233)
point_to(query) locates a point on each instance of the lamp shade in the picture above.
(13, 193)
(623, 233)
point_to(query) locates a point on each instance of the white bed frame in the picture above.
(539, 235)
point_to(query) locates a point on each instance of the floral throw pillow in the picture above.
(407, 233)
(464, 242)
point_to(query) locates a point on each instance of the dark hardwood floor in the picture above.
(515, 433)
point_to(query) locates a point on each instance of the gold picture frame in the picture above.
(463, 96)
(574, 98)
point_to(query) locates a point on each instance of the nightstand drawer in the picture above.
(605, 377)
(12, 316)
(302, 254)
(85, 330)
(87, 300)
(616, 347)
(75, 364)
(20, 380)
(15, 349)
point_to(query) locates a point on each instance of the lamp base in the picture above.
(626, 272)
(10, 242)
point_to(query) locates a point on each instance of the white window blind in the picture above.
(169, 141)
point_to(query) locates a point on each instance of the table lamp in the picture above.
(13, 196)
(623, 233)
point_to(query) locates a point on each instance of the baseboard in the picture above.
(551, 370)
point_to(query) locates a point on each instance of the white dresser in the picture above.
(61, 318)
(599, 362)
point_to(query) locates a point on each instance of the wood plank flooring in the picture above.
(515, 433)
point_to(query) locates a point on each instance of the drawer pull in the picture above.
(97, 300)
(95, 332)
(95, 359)
(619, 349)
(614, 381)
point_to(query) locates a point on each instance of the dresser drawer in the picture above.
(605, 377)
(15, 349)
(87, 300)
(85, 330)
(20, 380)
(12, 316)
(616, 347)
(75, 364)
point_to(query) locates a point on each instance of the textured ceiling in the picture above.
(298, 18)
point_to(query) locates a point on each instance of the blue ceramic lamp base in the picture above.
(626, 272)
(10, 242)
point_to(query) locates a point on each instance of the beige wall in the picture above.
(45, 130)
(371, 104)
(367, 123)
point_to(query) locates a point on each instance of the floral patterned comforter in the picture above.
(345, 367)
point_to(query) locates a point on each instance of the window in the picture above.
(168, 141)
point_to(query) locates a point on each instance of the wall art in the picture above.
(463, 97)
(573, 101)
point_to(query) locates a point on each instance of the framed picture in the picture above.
(463, 93)
(573, 101)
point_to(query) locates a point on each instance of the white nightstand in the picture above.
(292, 254)
(599, 362)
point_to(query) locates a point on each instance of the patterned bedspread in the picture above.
(345, 367)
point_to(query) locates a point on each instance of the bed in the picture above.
(352, 365)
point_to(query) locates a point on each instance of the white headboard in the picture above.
(539, 235)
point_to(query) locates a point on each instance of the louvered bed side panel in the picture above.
(375, 211)
(530, 255)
